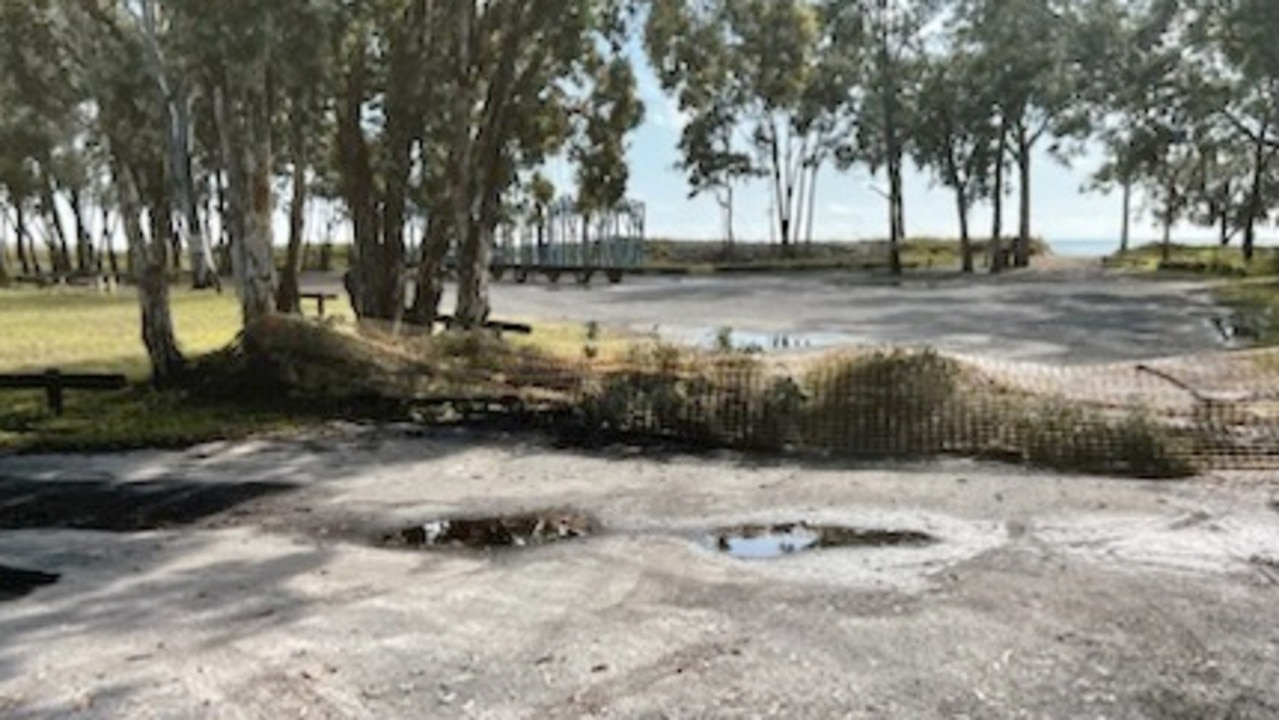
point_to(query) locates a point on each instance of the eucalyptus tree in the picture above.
(1233, 52)
(1030, 52)
(36, 118)
(744, 71)
(517, 70)
(873, 51)
(604, 119)
(953, 134)
(689, 51)
(105, 56)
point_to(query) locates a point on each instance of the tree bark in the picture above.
(429, 284)
(1022, 251)
(257, 261)
(84, 241)
(248, 158)
(812, 202)
(965, 240)
(27, 255)
(1255, 208)
(288, 295)
(4, 251)
(1126, 228)
(998, 259)
(150, 264)
(357, 188)
(59, 248)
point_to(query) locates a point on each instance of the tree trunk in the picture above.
(108, 246)
(222, 255)
(358, 190)
(1255, 208)
(257, 261)
(1165, 248)
(812, 203)
(246, 151)
(781, 193)
(965, 241)
(4, 250)
(1022, 251)
(84, 241)
(27, 255)
(897, 208)
(998, 259)
(892, 144)
(59, 248)
(150, 263)
(288, 295)
(1126, 229)
(430, 270)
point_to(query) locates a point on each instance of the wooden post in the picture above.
(53, 391)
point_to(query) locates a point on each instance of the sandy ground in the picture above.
(1070, 313)
(1046, 597)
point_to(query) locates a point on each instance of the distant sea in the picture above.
(1076, 247)
(1084, 248)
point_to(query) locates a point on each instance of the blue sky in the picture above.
(847, 207)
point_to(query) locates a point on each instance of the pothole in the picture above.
(496, 531)
(16, 583)
(755, 542)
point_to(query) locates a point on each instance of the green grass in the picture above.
(1255, 301)
(917, 253)
(1209, 260)
(86, 331)
(82, 330)
(89, 331)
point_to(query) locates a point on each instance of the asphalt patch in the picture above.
(756, 542)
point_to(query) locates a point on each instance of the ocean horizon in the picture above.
(1084, 247)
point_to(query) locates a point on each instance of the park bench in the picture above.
(320, 298)
(55, 382)
(496, 326)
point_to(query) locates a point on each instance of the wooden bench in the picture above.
(55, 382)
(320, 298)
(497, 326)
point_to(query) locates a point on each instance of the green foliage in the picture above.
(1059, 436)
(888, 404)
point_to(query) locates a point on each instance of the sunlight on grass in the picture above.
(90, 331)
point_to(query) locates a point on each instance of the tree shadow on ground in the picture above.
(111, 506)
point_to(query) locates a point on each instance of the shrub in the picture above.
(893, 403)
(1064, 437)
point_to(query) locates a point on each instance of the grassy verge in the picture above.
(1256, 306)
(710, 257)
(85, 331)
(283, 374)
(1207, 260)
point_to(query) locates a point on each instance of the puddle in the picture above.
(497, 531)
(753, 542)
(752, 341)
(16, 583)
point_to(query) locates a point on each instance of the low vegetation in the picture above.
(888, 404)
(916, 254)
(1206, 260)
(282, 374)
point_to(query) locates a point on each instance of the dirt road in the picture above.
(1043, 596)
(1065, 315)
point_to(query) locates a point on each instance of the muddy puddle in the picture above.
(517, 530)
(16, 583)
(757, 542)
